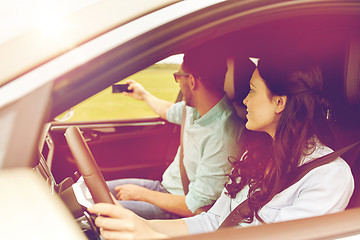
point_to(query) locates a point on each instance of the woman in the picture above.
(289, 126)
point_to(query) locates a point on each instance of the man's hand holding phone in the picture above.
(120, 88)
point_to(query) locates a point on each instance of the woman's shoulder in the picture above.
(337, 165)
(316, 150)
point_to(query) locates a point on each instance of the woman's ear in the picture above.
(280, 103)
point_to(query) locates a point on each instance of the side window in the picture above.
(105, 105)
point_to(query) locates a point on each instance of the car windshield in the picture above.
(46, 29)
(21, 16)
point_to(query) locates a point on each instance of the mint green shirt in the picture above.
(208, 142)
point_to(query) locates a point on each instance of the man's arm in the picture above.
(158, 105)
(166, 201)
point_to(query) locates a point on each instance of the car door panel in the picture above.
(122, 149)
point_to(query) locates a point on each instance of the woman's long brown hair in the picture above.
(266, 162)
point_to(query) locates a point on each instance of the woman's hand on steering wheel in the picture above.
(116, 222)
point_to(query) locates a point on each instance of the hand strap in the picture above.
(184, 178)
(242, 210)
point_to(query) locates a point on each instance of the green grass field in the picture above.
(157, 79)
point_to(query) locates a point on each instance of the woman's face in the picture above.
(260, 107)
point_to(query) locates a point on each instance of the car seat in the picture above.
(349, 123)
(236, 86)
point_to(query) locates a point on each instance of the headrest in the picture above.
(352, 71)
(238, 75)
(236, 86)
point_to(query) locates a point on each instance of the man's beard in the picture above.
(188, 100)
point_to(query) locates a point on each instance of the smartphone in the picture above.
(119, 88)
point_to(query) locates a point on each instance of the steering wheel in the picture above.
(87, 166)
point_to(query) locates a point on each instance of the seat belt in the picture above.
(184, 177)
(242, 210)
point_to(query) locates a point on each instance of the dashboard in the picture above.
(63, 189)
(46, 154)
(44, 171)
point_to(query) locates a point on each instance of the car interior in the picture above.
(144, 147)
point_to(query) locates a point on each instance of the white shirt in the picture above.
(325, 189)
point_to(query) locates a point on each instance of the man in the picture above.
(211, 134)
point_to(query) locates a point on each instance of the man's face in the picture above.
(183, 79)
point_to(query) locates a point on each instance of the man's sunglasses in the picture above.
(177, 76)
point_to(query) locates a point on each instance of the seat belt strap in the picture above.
(184, 177)
(242, 210)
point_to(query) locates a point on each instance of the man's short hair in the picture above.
(207, 64)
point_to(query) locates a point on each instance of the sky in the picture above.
(173, 59)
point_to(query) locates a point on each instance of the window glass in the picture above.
(157, 79)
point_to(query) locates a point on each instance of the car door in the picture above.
(140, 148)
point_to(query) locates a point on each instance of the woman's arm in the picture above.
(170, 228)
(117, 222)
